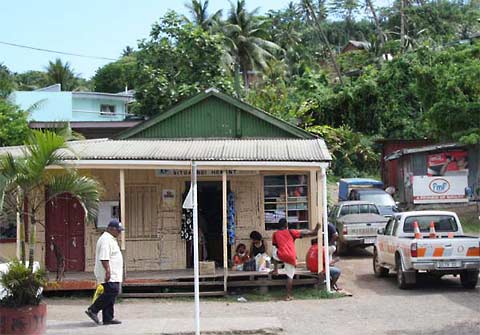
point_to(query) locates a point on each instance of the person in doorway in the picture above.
(283, 241)
(241, 257)
(257, 245)
(108, 272)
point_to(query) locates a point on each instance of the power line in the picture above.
(54, 51)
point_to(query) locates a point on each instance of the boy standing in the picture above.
(284, 250)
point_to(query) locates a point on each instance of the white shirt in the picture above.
(108, 250)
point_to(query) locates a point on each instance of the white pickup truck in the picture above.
(450, 252)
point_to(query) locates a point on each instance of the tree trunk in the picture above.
(381, 38)
(402, 26)
(325, 40)
(31, 243)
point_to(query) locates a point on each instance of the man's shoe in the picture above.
(112, 322)
(92, 316)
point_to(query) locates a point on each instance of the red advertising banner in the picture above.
(449, 163)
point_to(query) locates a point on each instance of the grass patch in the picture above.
(471, 225)
(300, 293)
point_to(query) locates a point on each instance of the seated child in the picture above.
(241, 257)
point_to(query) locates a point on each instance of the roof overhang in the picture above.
(429, 148)
(201, 165)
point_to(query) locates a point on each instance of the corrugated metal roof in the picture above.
(408, 151)
(287, 150)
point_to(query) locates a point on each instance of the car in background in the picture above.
(357, 223)
(384, 201)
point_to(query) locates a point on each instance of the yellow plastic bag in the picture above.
(98, 292)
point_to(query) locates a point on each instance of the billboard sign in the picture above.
(443, 189)
(450, 163)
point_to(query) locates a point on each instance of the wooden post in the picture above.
(122, 207)
(225, 230)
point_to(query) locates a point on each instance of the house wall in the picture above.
(161, 247)
(51, 106)
(88, 109)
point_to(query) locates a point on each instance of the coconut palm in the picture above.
(61, 73)
(246, 38)
(199, 13)
(27, 183)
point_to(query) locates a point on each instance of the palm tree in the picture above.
(60, 73)
(27, 184)
(246, 37)
(199, 13)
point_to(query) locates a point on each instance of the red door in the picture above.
(65, 229)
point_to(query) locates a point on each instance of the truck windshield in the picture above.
(443, 223)
(380, 199)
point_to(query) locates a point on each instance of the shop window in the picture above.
(141, 211)
(286, 196)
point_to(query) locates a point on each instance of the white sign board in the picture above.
(107, 210)
(441, 189)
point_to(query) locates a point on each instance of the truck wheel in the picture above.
(469, 279)
(401, 277)
(379, 270)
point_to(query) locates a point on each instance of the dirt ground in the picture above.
(377, 307)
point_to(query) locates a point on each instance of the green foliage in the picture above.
(7, 83)
(178, 61)
(115, 76)
(14, 126)
(61, 73)
(22, 285)
(449, 89)
(31, 80)
(247, 39)
(28, 176)
(353, 153)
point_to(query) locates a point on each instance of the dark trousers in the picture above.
(106, 301)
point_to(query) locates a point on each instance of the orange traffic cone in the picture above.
(432, 233)
(416, 230)
(450, 235)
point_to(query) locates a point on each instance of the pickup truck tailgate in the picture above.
(448, 248)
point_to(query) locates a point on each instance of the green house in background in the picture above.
(212, 114)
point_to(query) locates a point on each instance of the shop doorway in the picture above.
(65, 234)
(210, 226)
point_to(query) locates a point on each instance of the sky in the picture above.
(99, 28)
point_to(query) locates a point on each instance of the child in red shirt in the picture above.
(283, 241)
(241, 256)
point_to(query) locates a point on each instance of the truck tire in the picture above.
(379, 270)
(469, 279)
(401, 276)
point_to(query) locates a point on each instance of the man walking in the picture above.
(109, 273)
(283, 241)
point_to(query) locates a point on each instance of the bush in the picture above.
(23, 286)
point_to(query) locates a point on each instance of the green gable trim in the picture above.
(238, 118)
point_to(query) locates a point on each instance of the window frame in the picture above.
(110, 106)
(303, 200)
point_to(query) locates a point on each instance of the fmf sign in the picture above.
(445, 189)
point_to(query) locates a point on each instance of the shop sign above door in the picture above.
(202, 173)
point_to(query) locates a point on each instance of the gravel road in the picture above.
(377, 307)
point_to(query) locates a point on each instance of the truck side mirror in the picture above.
(381, 231)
